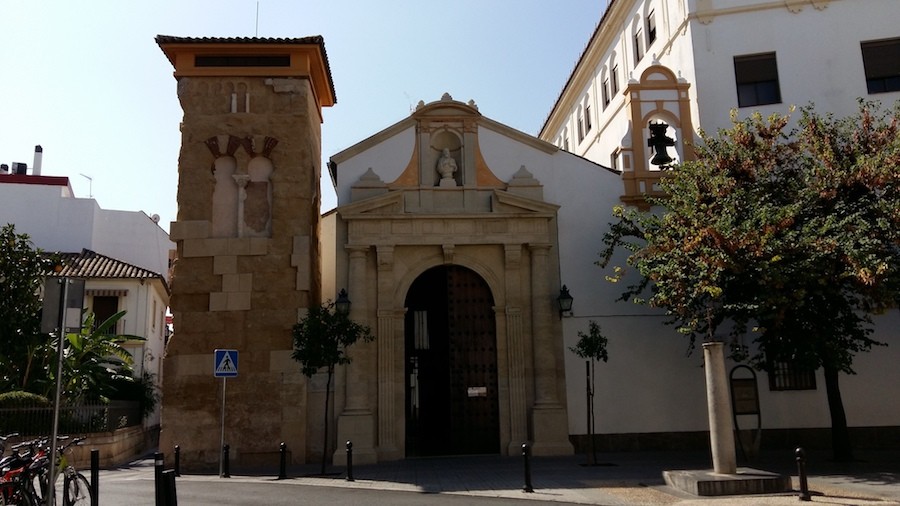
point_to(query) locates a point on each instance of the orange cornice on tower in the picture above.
(250, 56)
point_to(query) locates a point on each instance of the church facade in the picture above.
(449, 248)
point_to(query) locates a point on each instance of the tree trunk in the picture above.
(840, 434)
(325, 438)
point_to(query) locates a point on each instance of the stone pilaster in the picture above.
(549, 421)
(356, 423)
(515, 349)
(387, 413)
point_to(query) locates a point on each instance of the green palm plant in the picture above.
(94, 358)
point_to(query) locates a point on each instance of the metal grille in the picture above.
(784, 376)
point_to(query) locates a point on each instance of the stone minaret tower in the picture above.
(248, 243)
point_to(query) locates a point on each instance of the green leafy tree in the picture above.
(321, 339)
(789, 236)
(22, 271)
(592, 348)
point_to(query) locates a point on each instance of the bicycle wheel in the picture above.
(76, 491)
(34, 491)
(19, 496)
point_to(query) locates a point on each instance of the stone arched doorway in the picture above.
(452, 403)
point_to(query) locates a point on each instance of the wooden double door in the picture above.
(451, 365)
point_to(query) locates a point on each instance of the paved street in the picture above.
(625, 479)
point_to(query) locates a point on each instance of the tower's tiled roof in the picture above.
(312, 39)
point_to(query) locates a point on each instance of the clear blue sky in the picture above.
(87, 82)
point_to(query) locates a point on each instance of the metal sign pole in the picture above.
(222, 440)
(61, 334)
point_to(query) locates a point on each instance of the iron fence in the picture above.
(80, 419)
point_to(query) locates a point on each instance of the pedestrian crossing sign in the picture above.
(226, 364)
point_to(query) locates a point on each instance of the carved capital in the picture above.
(357, 250)
(540, 248)
(241, 180)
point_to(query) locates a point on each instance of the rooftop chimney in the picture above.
(38, 156)
(4, 169)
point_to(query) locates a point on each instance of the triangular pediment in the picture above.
(386, 204)
(506, 202)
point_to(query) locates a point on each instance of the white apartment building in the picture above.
(45, 208)
(688, 64)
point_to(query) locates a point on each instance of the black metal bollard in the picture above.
(527, 454)
(171, 498)
(177, 460)
(282, 463)
(158, 464)
(226, 473)
(801, 471)
(95, 477)
(349, 461)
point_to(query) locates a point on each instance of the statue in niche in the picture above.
(446, 166)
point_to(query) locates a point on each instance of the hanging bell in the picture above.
(659, 141)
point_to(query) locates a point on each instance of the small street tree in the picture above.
(321, 339)
(789, 236)
(22, 271)
(592, 348)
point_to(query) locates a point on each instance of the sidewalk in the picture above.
(622, 479)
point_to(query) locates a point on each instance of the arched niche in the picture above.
(446, 158)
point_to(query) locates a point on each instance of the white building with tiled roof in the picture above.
(113, 285)
(123, 255)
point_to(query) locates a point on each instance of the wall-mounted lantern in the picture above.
(564, 300)
(342, 304)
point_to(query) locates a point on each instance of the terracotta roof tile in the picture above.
(90, 264)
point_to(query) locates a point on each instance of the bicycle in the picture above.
(27, 476)
(16, 475)
(76, 488)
